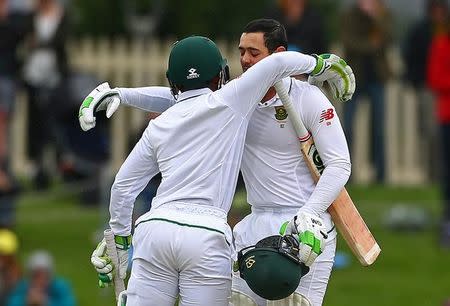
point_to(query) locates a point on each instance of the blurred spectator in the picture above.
(421, 34)
(9, 266)
(45, 70)
(41, 287)
(439, 81)
(8, 209)
(81, 156)
(13, 28)
(366, 33)
(304, 26)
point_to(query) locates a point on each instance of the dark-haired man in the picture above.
(182, 246)
(277, 180)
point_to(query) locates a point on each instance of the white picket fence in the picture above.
(140, 63)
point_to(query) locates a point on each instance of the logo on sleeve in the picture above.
(327, 115)
(280, 113)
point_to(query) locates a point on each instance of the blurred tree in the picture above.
(213, 18)
(330, 9)
(98, 18)
(179, 18)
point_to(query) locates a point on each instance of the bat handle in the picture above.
(119, 284)
(299, 127)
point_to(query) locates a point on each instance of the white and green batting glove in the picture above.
(311, 234)
(102, 262)
(336, 73)
(101, 98)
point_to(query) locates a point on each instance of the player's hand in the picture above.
(101, 98)
(332, 69)
(311, 234)
(102, 262)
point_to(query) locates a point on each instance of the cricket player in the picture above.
(183, 245)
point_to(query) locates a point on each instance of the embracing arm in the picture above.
(153, 99)
(320, 118)
(254, 83)
(243, 93)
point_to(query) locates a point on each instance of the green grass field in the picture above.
(411, 269)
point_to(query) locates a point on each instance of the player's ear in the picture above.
(280, 49)
(214, 84)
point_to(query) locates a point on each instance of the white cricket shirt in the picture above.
(197, 144)
(273, 169)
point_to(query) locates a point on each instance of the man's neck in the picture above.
(269, 95)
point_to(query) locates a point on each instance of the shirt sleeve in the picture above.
(152, 99)
(321, 120)
(244, 93)
(135, 173)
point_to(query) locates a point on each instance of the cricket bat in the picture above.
(343, 211)
(119, 285)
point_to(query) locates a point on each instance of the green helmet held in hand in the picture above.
(194, 62)
(272, 268)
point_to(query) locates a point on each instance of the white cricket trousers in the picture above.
(266, 222)
(180, 254)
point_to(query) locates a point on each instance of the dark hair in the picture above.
(274, 32)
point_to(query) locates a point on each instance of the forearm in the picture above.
(330, 184)
(152, 99)
(253, 84)
(133, 176)
(291, 63)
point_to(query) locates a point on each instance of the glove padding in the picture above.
(311, 234)
(336, 73)
(104, 266)
(101, 98)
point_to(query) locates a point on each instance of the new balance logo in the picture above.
(192, 74)
(326, 115)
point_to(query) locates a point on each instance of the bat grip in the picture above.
(299, 127)
(119, 284)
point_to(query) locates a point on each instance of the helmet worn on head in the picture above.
(194, 61)
(272, 268)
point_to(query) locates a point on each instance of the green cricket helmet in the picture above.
(194, 62)
(272, 268)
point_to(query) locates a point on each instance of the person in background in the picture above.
(366, 33)
(45, 69)
(14, 27)
(421, 34)
(10, 270)
(304, 26)
(41, 287)
(438, 77)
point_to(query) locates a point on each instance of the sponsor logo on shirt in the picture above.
(326, 115)
(192, 74)
(280, 113)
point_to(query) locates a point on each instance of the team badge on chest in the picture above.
(280, 113)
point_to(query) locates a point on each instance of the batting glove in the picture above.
(102, 262)
(101, 98)
(311, 234)
(333, 70)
